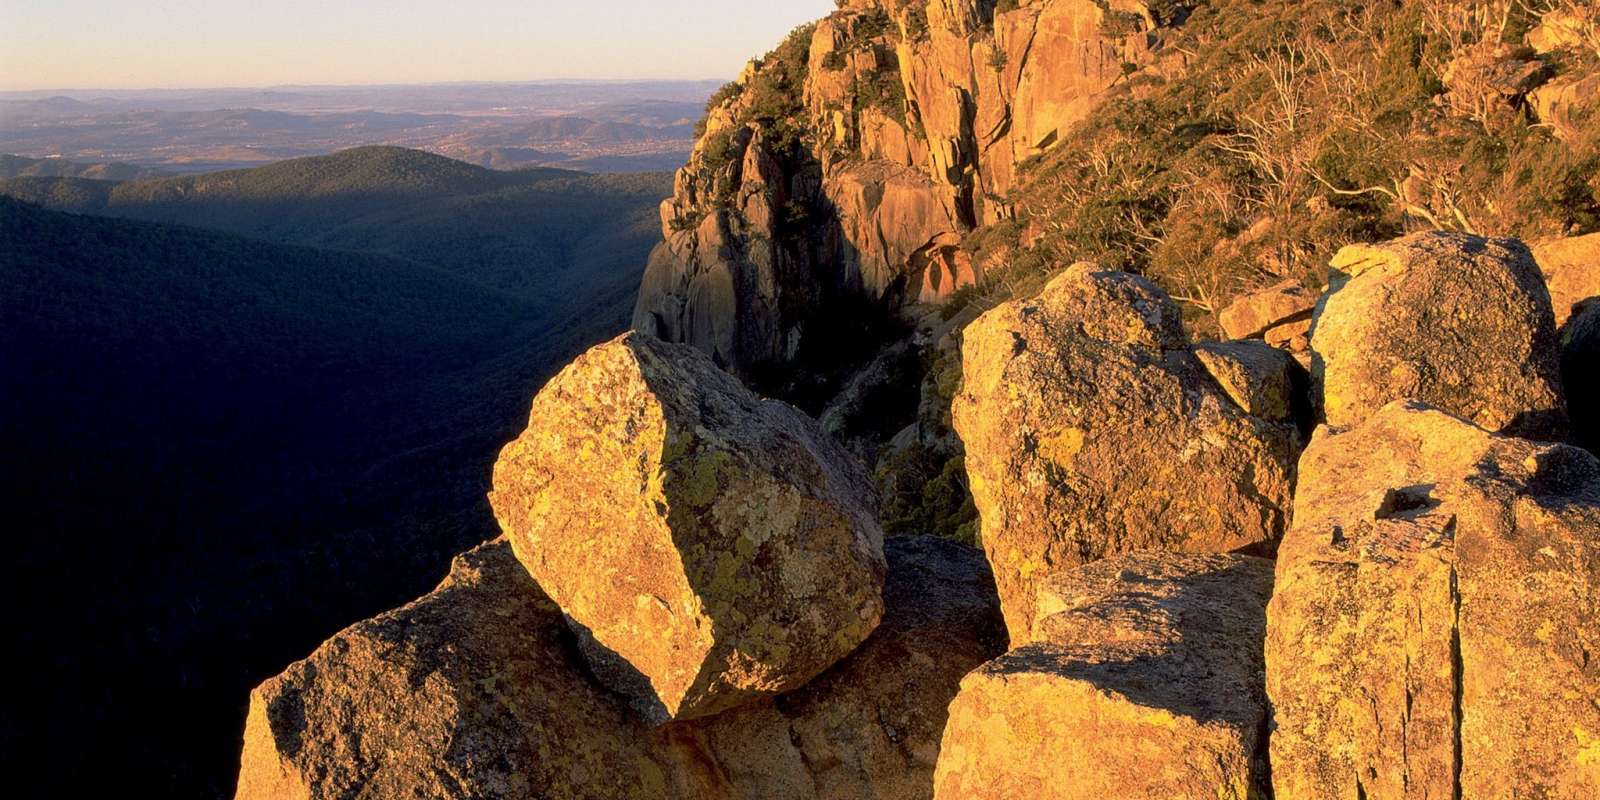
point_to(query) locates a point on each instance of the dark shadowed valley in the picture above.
(268, 400)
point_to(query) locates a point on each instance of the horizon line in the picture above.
(356, 85)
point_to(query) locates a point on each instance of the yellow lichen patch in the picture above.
(1060, 447)
(699, 478)
(1588, 749)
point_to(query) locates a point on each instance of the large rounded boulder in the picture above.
(1092, 428)
(707, 546)
(1460, 322)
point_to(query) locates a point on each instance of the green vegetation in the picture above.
(882, 90)
(915, 15)
(776, 94)
(1299, 127)
(20, 167)
(925, 494)
(241, 447)
(773, 97)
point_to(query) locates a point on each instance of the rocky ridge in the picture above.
(849, 163)
(1428, 628)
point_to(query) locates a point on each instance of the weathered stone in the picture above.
(1580, 373)
(1458, 321)
(1562, 28)
(477, 690)
(1434, 625)
(871, 726)
(1144, 680)
(472, 691)
(1571, 269)
(1292, 337)
(1259, 378)
(1091, 428)
(709, 547)
(1254, 313)
(1565, 103)
(874, 202)
(889, 214)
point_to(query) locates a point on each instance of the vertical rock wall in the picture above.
(908, 124)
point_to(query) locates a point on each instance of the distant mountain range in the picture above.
(611, 127)
(527, 232)
(259, 407)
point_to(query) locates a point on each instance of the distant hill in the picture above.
(20, 167)
(539, 233)
(576, 126)
(222, 449)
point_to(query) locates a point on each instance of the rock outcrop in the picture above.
(477, 690)
(871, 726)
(472, 691)
(1091, 428)
(1252, 314)
(1144, 680)
(1434, 624)
(1571, 269)
(1457, 321)
(849, 162)
(1263, 380)
(709, 547)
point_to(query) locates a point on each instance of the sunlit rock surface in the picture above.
(1434, 626)
(709, 546)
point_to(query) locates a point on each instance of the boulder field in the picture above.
(479, 690)
(1179, 593)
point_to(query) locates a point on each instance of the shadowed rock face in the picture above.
(870, 727)
(1144, 679)
(1580, 373)
(1461, 322)
(1091, 429)
(710, 547)
(478, 691)
(885, 187)
(1434, 625)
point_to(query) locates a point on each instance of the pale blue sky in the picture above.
(62, 44)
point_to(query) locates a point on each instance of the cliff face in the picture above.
(848, 164)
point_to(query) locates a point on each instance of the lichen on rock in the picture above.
(709, 547)
(1143, 680)
(1091, 428)
(1457, 321)
(478, 690)
(1434, 623)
